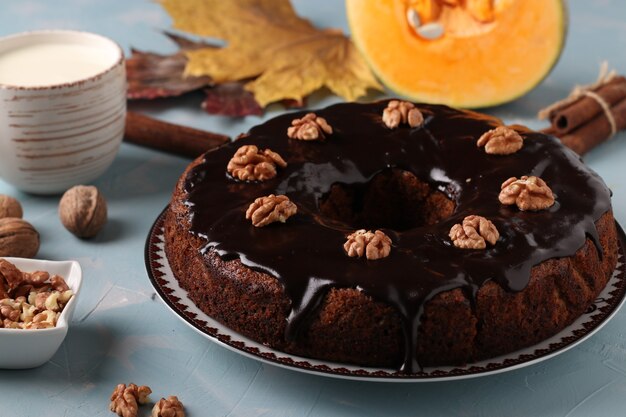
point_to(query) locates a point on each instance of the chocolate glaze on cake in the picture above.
(306, 254)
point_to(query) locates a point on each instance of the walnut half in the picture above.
(310, 127)
(398, 112)
(252, 164)
(501, 141)
(474, 233)
(125, 400)
(270, 209)
(528, 193)
(374, 245)
(170, 407)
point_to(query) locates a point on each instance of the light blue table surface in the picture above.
(121, 331)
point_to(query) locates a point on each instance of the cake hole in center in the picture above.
(394, 199)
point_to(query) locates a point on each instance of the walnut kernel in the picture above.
(402, 112)
(170, 407)
(10, 310)
(270, 209)
(83, 211)
(474, 233)
(39, 299)
(11, 275)
(125, 400)
(10, 207)
(501, 141)
(28, 313)
(37, 278)
(374, 245)
(9, 324)
(528, 193)
(310, 127)
(59, 284)
(44, 320)
(251, 164)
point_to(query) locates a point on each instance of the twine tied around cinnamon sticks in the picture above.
(591, 114)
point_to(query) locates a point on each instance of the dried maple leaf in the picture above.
(153, 75)
(288, 57)
(230, 99)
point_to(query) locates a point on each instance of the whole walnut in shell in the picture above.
(10, 207)
(18, 238)
(83, 210)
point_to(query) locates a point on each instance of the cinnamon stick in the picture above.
(594, 132)
(168, 137)
(568, 118)
(591, 114)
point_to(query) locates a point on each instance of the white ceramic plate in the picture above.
(166, 285)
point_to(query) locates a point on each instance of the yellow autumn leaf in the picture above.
(285, 55)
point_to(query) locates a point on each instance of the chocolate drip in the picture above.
(306, 254)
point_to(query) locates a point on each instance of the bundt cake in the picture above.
(392, 234)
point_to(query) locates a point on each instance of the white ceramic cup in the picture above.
(54, 136)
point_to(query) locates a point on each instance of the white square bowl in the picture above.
(23, 349)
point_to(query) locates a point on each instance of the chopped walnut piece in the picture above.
(170, 407)
(125, 400)
(28, 312)
(529, 193)
(64, 297)
(398, 112)
(58, 283)
(52, 302)
(374, 245)
(12, 276)
(10, 324)
(474, 233)
(37, 278)
(44, 320)
(310, 127)
(10, 302)
(501, 141)
(34, 326)
(9, 312)
(23, 290)
(39, 299)
(251, 164)
(270, 209)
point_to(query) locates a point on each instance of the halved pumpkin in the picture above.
(464, 53)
